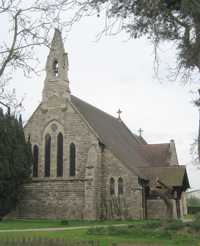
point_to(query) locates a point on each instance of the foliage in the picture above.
(174, 225)
(15, 161)
(193, 210)
(174, 21)
(153, 224)
(193, 201)
(160, 20)
(64, 222)
(197, 217)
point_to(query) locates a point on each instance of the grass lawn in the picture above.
(106, 240)
(42, 223)
(147, 237)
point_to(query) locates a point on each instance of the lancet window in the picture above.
(120, 186)
(60, 155)
(72, 160)
(35, 160)
(112, 186)
(47, 157)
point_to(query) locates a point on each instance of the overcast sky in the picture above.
(114, 73)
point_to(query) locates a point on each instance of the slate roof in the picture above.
(148, 161)
(172, 176)
(113, 133)
(156, 154)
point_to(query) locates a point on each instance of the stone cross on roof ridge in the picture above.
(119, 112)
(140, 131)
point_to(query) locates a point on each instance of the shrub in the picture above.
(195, 225)
(64, 222)
(97, 231)
(193, 210)
(193, 202)
(174, 225)
(152, 224)
(197, 217)
(118, 230)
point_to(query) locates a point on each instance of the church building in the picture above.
(89, 165)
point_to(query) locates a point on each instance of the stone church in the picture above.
(89, 165)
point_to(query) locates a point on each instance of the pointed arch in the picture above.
(60, 155)
(35, 160)
(112, 186)
(120, 186)
(72, 160)
(47, 157)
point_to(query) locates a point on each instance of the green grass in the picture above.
(42, 223)
(106, 240)
(140, 232)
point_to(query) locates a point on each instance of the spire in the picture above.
(56, 83)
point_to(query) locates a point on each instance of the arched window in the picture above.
(55, 68)
(112, 186)
(60, 155)
(35, 160)
(72, 160)
(47, 161)
(120, 186)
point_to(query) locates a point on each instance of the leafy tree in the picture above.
(15, 161)
(175, 21)
(193, 201)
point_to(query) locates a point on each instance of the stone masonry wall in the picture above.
(156, 209)
(68, 122)
(132, 197)
(57, 197)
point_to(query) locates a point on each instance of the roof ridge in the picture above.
(133, 134)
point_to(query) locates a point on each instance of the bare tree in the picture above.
(27, 25)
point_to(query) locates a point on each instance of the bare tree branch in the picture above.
(11, 50)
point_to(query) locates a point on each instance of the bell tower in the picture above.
(56, 85)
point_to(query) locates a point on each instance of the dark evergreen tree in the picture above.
(15, 161)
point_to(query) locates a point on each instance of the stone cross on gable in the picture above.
(119, 112)
(140, 131)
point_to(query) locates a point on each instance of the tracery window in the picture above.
(120, 186)
(47, 161)
(60, 155)
(35, 160)
(112, 186)
(72, 160)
